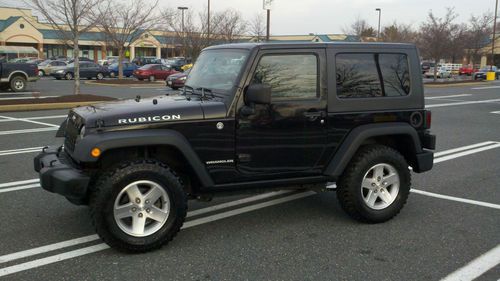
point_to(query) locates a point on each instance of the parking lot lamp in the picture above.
(183, 32)
(494, 36)
(379, 16)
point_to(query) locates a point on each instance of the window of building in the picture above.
(290, 76)
(372, 75)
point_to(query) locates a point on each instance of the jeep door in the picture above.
(287, 137)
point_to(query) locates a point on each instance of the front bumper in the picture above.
(57, 74)
(57, 175)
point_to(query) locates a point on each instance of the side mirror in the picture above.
(258, 94)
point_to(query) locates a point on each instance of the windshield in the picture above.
(44, 63)
(217, 69)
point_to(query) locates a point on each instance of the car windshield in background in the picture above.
(44, 63)
(217, 69)
(147, 66)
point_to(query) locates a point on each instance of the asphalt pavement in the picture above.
(449, 229)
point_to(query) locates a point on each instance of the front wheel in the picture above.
(138, 206)
(151, 78)
(18, 84)
(375, 184)
(68, 76)
(99, 76)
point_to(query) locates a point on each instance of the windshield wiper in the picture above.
(212, 93)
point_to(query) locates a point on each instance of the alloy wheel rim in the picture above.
(18, 85)
(141, 208)
(99, 76)
(380, 186)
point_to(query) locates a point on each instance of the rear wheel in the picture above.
(68, 76)
(138, 206)
(41, 73)
(18, 84)
(375, 185)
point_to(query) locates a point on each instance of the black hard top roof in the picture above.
(357, 45)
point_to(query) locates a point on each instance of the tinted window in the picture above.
(359, 75)
(290, 76)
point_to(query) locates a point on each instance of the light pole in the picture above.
(379, 16)
(208, 23)
(267, 6)
(494, 35)
(183, 33)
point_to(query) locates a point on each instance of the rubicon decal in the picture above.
(219, 162)
(149, 119)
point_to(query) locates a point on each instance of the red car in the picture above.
(153, 72)
(467, 70)
(176, 81)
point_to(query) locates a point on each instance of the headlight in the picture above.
(60, 71)
(82, 132)
(183, 78)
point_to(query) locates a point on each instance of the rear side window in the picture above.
(368, 75)
(290, 76)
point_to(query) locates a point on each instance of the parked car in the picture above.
(128, 69)
(426, 66)
(177, 80)
(467, 70)
(176, 63)
(481, 74)
(22, 60)
(49, 66)
(60, 58)
(88, 70)
(186, 67)
(35, 61)
(153, 72)
(441, 73)
(80, 59)
(16, 75)
(140, 61)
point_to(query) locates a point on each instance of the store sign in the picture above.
(267, 4)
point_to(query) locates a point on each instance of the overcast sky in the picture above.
(331, 16)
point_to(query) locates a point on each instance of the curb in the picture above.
(44, 106)
(123, 85)
(455, 85)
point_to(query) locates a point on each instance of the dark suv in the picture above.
(249, 119)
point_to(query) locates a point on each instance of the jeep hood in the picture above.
(161, 109)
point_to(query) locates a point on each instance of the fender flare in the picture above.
(122, 139)
(357, 136)
(18, 72)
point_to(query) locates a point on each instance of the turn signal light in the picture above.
(95, 152)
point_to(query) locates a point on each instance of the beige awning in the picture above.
(17, 50)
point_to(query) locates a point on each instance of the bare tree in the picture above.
(124, 22)
(360, 28)
(226, 27)
(477, 36)
(257, 27)
(231, 25)
(435, 36)
(70, 18)
(398, 33)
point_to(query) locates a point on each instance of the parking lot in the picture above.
(448, 229)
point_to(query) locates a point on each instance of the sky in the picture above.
(332, 16)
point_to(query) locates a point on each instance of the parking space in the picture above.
(451, 218)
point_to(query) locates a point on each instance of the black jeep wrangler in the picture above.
(250, 117)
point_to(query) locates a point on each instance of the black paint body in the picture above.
(282, 143)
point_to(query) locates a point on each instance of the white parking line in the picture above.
(484, 88)
(461, 103)
(36, 118)
(102, 246)
(20, 151)
(15, 183)
(467, 152)
(495, 112)
(462, 148)
(29, 121)
(16, 188)
(450, 96)
(24, 131)
(457, 199)
(23, 98)
(477, 267)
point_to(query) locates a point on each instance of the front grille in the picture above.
(73, 128)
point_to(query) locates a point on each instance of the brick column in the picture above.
(2, 43)
(103, 52)
(158, 52)
(40, 50)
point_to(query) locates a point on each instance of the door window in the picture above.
(290, 76)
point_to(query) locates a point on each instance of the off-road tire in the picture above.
(349, 185)
(18, 84)
(109, 185)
